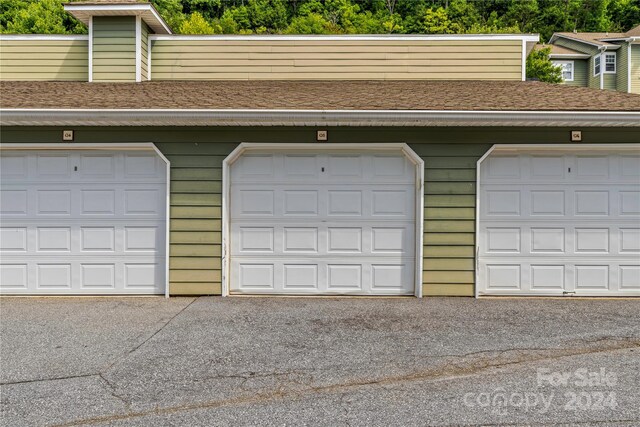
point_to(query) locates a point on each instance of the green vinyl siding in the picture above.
(610, 81)
(144, 51)
(196, 155)
(622, 66)
(63, 58)
(635, 68)
(114, 48)
(580, 73)
(592, 81)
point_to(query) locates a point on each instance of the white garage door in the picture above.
(82, 222)
(560, 224)
(322, 224)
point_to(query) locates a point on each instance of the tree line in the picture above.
(349, 16)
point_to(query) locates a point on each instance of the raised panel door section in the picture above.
(555, 224)
(322, 223)
(82, 222)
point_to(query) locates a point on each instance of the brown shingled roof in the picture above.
(315, 95)
(592, 37)
(634, 32)
(559, 50)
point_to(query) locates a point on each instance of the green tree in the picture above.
(540, 67)
(196, 24)
(41, 17)
(437, 22)
(171, 11)
(350, 16)
(312, 23)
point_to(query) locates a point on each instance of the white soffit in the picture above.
(148, 13)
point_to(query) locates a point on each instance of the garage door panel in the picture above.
(326, 276)
(545, 230)
(316, 223)
(393, 239)
(101, 232)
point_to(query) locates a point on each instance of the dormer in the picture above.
(119, 38)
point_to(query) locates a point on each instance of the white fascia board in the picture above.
(58, 37)
(357, 37)
(200, 117)
(569, 56)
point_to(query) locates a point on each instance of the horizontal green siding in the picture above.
(635, 68)
(196, 215)
(44, 59)
(196, 155)
(622, 67)
(610, 81)
(114, 47)
(580, 77)
(217, 59)
(592, 81)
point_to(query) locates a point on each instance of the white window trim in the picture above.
(573, 68)
(615, 63)
(598, 58)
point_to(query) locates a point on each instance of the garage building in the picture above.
(178, 178)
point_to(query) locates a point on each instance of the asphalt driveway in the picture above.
(319, 361)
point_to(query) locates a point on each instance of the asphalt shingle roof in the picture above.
(315, 95)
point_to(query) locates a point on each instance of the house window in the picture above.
(596, 65)
(609, 62)
(567, 69)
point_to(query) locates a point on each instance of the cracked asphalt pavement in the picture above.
(212, 361)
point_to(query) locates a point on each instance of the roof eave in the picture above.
(170, 117)
(598, 45)
(569, 56)
(148, 12)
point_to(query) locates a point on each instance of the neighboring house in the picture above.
(599, 60)
(307, 165)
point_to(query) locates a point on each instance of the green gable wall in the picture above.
(114, 48)
(635, 68)
(196, 156)
(64, 58)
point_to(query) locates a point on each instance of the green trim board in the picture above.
(196, 156)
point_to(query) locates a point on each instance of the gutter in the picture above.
(248, 117)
